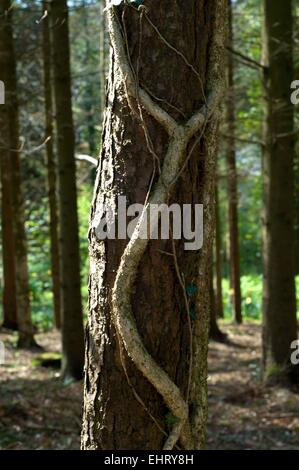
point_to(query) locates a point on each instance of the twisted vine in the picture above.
(123, 319)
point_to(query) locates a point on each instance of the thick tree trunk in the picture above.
(51, 167)
(218, 258)
(25, 326)
(279, 302)
(234, 249)
(132, 403)
(8, 248)
(72, 326)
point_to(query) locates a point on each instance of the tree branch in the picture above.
(247, 59)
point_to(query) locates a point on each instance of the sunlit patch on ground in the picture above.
(38, 411)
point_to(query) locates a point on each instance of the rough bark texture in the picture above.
(72, 326)
(51, 167)
(234, 248)
(279, 302)
(8, 248)
(113, 417)
(26, 338)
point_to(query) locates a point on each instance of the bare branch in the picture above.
(86, 158)
(249, 60)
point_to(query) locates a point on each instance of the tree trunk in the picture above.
(297, 213)
(234, 249)
(102, 56)
(279, 301)
(25, 326)
(8, 248)
(72, 326)
(215, 333)
(51, 168)
(218, 259)
(147, 332)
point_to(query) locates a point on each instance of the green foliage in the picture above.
(252, 293)
(84, 203)
(48, 359)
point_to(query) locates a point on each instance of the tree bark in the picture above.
(279, 301)
(143, 370)
(234, 248)
(72, 325)
(26, 338)
(8, 247)
(51, 167)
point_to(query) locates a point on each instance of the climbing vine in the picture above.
(174, 162)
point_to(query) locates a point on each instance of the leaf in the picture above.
(191, 289)
(171, 419)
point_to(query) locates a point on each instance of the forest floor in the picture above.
(37, 411)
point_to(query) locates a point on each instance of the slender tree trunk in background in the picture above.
(102, 55)
(234, 248)
(89, 90)
(279, 301)
(296, 117)
(8, 248)
(72, 324)
(51, 168)
(218, 259)
(26, 338)
(297, 214)
(215, 333)
(137, 278)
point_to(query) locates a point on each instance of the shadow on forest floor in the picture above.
(243, 413)
(37, 411)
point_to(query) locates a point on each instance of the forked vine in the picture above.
(172, 165)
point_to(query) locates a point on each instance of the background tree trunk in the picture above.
(103, 56)
(218, 257)
(51, 167)
(113, 417)
(8, 248)
(279, 301)
(234, 249)
(72, 326)
(26, 338)
(215, 332)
